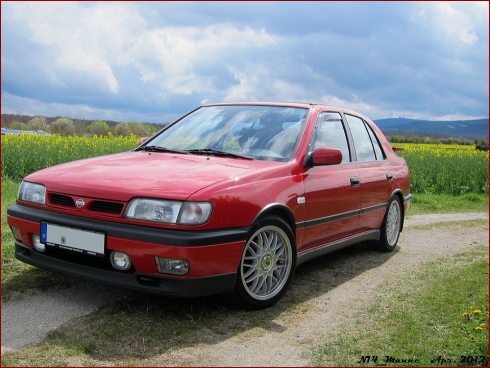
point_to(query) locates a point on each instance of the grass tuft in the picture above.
(436, 315)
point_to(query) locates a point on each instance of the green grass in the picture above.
(445, 203)
(11, 268)
(427, 315)
(15, 274)
(137, 329)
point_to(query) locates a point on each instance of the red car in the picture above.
(230, 198)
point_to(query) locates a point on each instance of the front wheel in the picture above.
(267, 265)
(391, 227)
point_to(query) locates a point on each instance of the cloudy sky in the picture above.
(154, 61)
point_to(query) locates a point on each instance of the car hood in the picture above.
(140, 174)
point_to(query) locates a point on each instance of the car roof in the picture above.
(265, 103)
(306, 105)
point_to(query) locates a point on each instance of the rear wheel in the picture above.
(267, 265)
(391, 227)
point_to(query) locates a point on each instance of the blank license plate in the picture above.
(76, 240)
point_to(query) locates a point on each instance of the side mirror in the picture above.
(324, 156)
(143, 140)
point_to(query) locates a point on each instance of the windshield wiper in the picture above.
(210, 151)
(161, 149)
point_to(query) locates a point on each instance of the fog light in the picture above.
(120, 261)
(36, 241)
(16, 232)
(172, 266)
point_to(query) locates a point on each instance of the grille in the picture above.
(62, 200)
(98, 206)
(110, 207)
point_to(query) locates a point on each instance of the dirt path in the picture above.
(353, 276)
(348, 288)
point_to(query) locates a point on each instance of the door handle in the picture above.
(354, 181)
(389, 176)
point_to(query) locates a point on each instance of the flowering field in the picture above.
(438, 169)
(25, 153)
(446, 169)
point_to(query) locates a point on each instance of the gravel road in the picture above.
(27, 318)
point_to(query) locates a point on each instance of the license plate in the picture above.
(76, 240)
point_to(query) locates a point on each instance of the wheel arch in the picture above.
(280, 210)
(398, 193)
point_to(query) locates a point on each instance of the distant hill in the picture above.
(456, 128)
(470, 129)
(7, 118)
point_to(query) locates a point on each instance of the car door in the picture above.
(375, 173)
(332, 193)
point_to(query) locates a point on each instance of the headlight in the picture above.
(153, 210)
(173, 212)
(31, 192)
(193, 213)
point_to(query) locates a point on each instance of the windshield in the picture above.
(258, 132)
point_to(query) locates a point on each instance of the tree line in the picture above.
(67, 127)
(480, 143)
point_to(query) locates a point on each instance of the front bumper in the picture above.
(168, 286)
(213, 255)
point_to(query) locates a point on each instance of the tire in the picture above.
(267, 265)
(391, 227)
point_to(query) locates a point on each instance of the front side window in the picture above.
(330, 133)
(259, 132)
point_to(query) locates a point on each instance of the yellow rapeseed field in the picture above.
(25, 153)
(435, 168)
(448, 169)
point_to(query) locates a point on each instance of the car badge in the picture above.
(80, 203)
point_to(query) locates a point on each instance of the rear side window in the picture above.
(366, 144)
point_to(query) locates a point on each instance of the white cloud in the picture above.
(451, 20)
(86, 40)
(26, 106)
(257, 82)
(170, 56)
(455, 23)
(96, 40)
(175, 52)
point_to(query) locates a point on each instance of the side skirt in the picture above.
(332, 247)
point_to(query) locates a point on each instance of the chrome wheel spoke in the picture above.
(266, 262)
(250, 274)
(393, 223)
